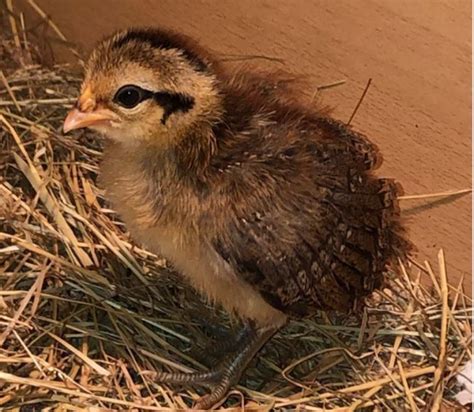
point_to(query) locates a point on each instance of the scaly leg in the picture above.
(223, 348)
(233, 366)
(227, 374)
(214, 352)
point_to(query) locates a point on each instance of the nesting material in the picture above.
(86, 316)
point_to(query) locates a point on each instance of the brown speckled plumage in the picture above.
(269, 208)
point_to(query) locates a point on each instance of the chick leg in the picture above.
(228, 372)
(220, 347)
(234, 365)
(211, 353)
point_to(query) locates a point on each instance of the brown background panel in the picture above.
(418, 52)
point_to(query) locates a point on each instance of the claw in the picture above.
(218, 393)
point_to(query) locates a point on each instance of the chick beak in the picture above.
(78, 119)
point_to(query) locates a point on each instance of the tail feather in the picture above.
(368, 235)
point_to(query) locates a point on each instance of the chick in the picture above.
(269, 208)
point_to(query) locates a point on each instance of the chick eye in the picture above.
(130, 96)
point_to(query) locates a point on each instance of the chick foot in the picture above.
(227, 374)
(233, 366)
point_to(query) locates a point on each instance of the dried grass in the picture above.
(85, 315)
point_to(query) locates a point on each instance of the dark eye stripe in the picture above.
(130, 96)
(172, 103)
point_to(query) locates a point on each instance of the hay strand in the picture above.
(361, 99)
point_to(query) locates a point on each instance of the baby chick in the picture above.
(269, 208)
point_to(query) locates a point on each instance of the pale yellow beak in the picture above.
(77, 119)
